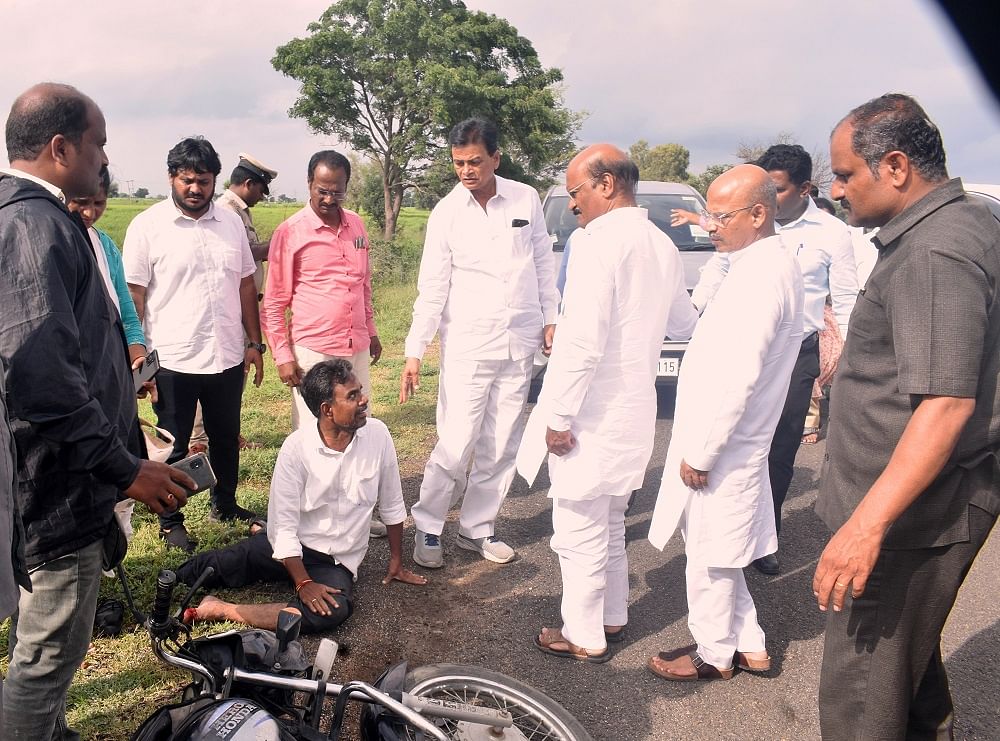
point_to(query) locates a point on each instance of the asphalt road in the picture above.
(475, 612)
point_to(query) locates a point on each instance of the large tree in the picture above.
(389, 78)
(664, 162)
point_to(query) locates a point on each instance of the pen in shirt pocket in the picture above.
(516, 223)
(360, 243)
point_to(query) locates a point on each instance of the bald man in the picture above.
(597, 409)
(72, 401)
(730, 394)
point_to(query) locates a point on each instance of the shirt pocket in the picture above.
(362, 489)
(869, 346)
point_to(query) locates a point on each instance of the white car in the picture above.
(693, 242)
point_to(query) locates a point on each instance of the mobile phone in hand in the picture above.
(147, 371)
(198, 468)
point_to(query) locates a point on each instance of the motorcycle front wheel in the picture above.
(537, 717)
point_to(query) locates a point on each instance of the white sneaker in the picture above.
(491, 548)
(427, 550)
(377, 529)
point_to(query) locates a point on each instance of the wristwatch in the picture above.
(258, 346)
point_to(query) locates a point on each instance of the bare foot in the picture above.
(212, 608)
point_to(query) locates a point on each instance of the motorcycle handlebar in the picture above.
(165, 583)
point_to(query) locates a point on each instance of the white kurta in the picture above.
(730, 393)
(624, 293)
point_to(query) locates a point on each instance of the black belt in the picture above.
(810, 340)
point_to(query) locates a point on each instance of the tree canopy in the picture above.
(389, 78)
(664, 162)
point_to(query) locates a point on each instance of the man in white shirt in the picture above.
(730, 392)
(190, 271)
(486, 285)
(249, 183)
(822, 246)
(596, 414)
(327, 480)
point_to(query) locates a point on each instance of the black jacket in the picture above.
(69, 388)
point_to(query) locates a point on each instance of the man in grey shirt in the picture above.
(910, 483)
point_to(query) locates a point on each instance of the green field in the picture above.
(121, 681)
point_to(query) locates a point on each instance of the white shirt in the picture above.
(323, 499)
(487, 286)
(624, 293)
(191, 270)
(865, 253)
(730, 393)
(822, 244)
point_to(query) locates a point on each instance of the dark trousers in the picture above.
(251, 561)
(882, 675)
(788, 433)
(220, 395)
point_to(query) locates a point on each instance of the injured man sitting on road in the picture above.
(327, 480)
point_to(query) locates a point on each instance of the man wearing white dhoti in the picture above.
(487, 286)
(730, 393)
(597, 409)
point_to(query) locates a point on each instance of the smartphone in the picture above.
(147, 371)
(198, 468)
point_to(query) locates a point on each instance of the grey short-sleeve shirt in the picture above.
(927, 323)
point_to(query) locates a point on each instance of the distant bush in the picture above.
(393, 262)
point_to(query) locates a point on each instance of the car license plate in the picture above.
(668, 367)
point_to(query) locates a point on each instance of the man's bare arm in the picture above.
(922, 452)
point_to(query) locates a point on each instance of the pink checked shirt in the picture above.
(323, 275)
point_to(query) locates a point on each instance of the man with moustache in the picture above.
(71, 402)
(732, 386)
(318, 269)
(910, 482)
(486, 284)
(190, 271)
(596, 413)
(823, 249)
(327, 480)
(248, 184)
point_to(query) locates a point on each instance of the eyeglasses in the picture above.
(336, 195)
(572, 192)
(721, 219)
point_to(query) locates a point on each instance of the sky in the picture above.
(708, 74)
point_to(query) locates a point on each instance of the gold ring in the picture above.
(841, 585)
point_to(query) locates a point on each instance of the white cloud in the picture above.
(705, 74)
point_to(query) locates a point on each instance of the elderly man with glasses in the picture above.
(730, 392)
(596, 414)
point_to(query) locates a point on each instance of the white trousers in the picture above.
(480, 413)
(589, 538)
(721, 614)
(307, 358)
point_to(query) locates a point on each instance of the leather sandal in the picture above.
(545, 641)
(684, 666)
(747, 664)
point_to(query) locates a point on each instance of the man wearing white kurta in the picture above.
(597, 410)
(731, 390)
(487, 285)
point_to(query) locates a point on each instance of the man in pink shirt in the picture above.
(318, 267)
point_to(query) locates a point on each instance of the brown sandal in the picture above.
(685, 665)
(545, 641)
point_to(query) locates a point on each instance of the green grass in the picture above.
(121, 682)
